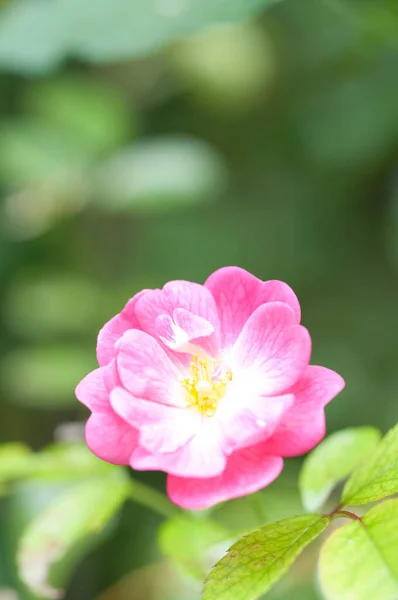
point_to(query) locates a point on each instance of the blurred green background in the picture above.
(149, 140)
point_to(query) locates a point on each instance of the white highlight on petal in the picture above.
(260, 423)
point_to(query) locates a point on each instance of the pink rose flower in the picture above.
(209, 383)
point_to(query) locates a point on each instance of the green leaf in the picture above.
(190, 542)
(35, 37)
(377, 477)
(360, 560)
(332, 461)
(69, 521)
(259, 560)
(158, 174)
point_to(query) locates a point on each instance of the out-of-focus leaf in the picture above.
(228, 66)
(259, 560)
(141, 27)
(192, 543)
(332, 461)
(337, 129)
(62, 461)
(14, 459)
(376, 477)
(360, 560)
(33, 151)
(35, 37)
(74, 306)
(93, 114)
(160, 174)
(45, 375)
(65, 461)
(70, 519)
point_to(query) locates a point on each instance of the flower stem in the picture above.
(158, 502)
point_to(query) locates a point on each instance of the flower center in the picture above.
(207, 384)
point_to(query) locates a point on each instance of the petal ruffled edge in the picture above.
(113, 330)
(238, 293)
(247, 471)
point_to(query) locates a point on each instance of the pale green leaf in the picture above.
(192, 543)
(161, 173)
(259, 560)
(377, 477)
(360, 560)
(332, 461)
(83, 511)
(36, 36)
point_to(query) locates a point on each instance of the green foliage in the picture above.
(190, 543)
(258, 560)
(377, 477)
(35, 38)
(360, 560)
(332, 461)
(84, 510)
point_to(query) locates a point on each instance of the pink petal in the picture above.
(161, 428)
(114, 329)
(146, 370)
(303, 425)
(252, 424)
(186, 332)
(247, 471)
(201, 457)
(192, 297)
(93, 390)
(238, 293)
(110, 438)
(272, 351)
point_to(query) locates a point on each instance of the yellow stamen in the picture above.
(204, 389)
